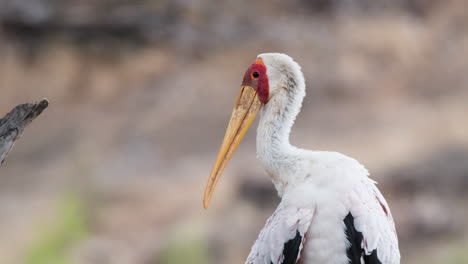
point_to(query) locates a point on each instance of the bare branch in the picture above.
(13, 124)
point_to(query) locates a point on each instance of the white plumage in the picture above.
(330, 212)
(318, 189)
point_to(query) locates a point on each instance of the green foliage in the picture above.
(185, 248)
(53, 243)
(454, 255)
(449, 253)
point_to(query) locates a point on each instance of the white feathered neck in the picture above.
(277, 116)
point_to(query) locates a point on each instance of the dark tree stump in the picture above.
(13, 124)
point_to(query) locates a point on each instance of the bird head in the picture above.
(262, 80)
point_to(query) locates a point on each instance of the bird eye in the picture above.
(255, 75)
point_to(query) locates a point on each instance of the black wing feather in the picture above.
(355, 252)
(291, 249)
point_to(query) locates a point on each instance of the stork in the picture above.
(330, 212)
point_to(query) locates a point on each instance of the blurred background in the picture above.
(140, 94)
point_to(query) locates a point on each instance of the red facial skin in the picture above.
(260, 83)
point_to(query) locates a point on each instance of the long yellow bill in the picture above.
(243, 114)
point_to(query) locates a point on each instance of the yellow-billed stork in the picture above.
(330, 210)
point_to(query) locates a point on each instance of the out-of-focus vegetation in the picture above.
(185, 246)
(59, 235)
(140, 94)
